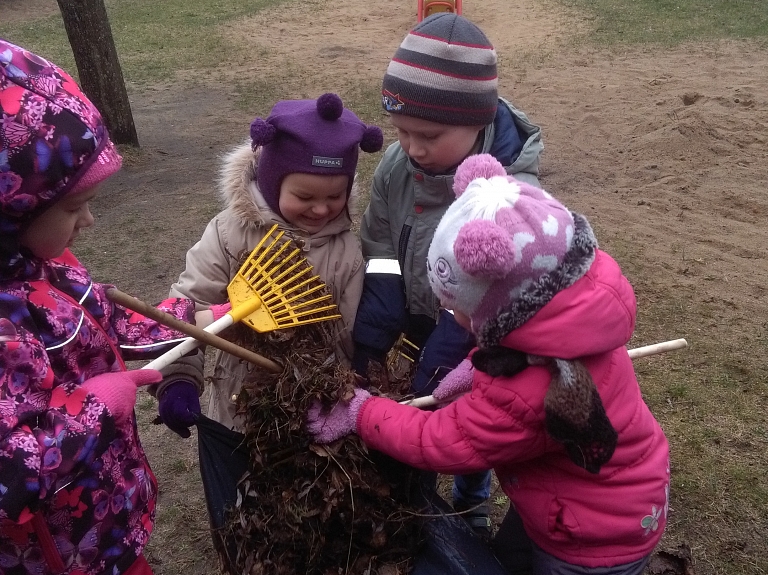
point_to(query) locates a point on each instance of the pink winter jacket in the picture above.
(594, 520)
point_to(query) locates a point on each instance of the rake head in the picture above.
(275, 288)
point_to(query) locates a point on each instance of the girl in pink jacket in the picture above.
(77, 495)
(553, 404)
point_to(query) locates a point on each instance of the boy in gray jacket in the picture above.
(440, 90)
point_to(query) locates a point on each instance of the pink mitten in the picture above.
(220, 310)
(456, 383)
(328, 426)
(118, 390)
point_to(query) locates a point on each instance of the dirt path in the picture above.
(23, 10)
(664, 150)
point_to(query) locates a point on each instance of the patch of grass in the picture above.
(673, 21)
(155, 41)
(146, 403)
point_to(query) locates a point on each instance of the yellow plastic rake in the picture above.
(274, 289)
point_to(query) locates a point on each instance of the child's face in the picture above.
(57, 228)
(435, 147)
(310, 201)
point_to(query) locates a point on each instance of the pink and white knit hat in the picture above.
(501, 252)
(504, 247)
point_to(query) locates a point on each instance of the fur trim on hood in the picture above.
(236, 186)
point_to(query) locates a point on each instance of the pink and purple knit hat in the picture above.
(504, 249)
(53, 140)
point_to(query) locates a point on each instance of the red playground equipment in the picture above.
(429, 7)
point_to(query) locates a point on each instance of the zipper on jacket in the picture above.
(402, 246)
(47, 544)
(112, 346)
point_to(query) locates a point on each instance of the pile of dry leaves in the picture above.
(305, 508)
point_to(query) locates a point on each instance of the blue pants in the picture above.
(472, 489)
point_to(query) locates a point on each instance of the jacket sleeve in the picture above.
(47, 434)
(446, 346)
(207, 272)
(349, 302)
(140, 337)
(204, 280)
(487, 428)
(382, 314)
(526, 166)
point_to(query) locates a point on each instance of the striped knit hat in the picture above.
(444, 71)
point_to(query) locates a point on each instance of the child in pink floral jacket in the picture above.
(77, 494)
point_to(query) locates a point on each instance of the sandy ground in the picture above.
(663, 149)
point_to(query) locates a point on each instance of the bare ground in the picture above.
(663, 149)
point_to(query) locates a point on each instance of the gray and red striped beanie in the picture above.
(444, 71)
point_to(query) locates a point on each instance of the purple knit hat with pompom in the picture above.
(309, 137)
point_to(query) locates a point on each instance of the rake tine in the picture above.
(303, 308)
(256, 264)
(294, 278)
(258, 277)
(316, 301)
(308, 314)
(257, 255)
(285, 323)
(280, 250)
(283, 295)
(293, 303)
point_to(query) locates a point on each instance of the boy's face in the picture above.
(310, 201)
(57, 228)
(435, 147)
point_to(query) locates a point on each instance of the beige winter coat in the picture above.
(212, 262)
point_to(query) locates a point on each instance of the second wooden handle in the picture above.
(193, 331)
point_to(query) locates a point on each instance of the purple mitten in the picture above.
(179, 406)
(456, 383)
(328, 426)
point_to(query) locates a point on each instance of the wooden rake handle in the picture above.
(193, 331)
(638, 352)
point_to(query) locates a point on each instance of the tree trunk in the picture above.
(95, 54)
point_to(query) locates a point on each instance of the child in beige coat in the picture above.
(297, 172)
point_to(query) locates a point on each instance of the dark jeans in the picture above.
(472, 489)
(452, 548)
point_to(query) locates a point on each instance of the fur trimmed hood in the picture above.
(239, 190)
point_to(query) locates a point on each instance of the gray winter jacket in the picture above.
(407, 204)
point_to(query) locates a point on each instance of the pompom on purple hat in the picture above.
(309, 137)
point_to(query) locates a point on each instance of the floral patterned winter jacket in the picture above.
(76, 491)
